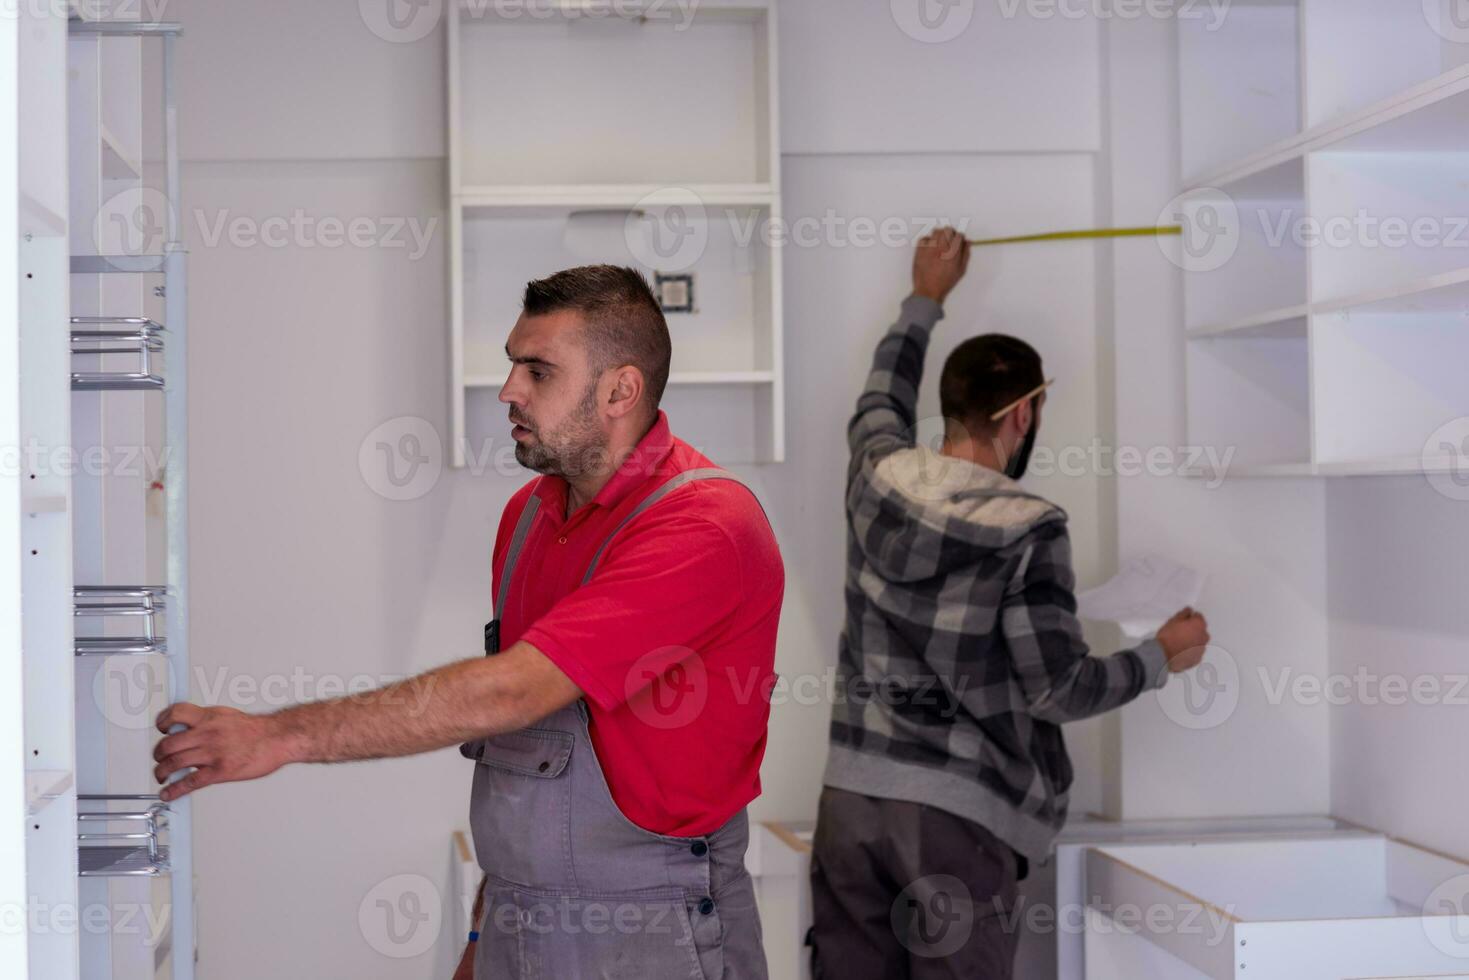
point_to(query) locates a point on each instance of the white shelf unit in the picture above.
(128, 295)
(601, 160)
(1241, 83)
(38, 844)
(1332, 137)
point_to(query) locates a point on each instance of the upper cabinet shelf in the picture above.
(1446, 292)
(677, 96)
(1430, 117)
(1364, 53)
(1325, 143)
(485, 196)
(1280, 80)
(638, 134)
(1240, 84)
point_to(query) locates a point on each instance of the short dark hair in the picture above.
(624, 323)
(983, 375)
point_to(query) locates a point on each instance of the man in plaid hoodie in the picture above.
(960, 659)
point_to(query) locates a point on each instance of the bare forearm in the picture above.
(442, 707)
(462, 701)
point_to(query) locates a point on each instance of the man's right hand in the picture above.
(1184, 638)
(939, 263)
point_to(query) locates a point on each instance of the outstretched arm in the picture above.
(455, 703)
(884, 419)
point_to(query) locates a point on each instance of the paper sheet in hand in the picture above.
(1143, 594)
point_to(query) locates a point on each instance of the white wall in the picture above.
(298, 565)
(1399, 561)
(839, 302)
(299, 352)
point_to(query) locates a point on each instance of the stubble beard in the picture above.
(570, 449)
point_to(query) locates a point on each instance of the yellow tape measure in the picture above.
(1062, 236)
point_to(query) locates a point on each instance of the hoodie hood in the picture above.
(953, 514)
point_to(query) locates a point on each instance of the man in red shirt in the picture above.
(618, 729)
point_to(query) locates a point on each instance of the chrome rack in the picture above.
(133, 852)
(175, 858)
(143, 602)
(137, 335)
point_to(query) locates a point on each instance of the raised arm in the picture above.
(884, 419)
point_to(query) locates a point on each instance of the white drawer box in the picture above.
(1330, 907)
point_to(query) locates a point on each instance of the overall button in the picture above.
(544, 766)
(700, 848)
(706, 906)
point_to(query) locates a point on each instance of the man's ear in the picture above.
(1024, 416)
(627, 391)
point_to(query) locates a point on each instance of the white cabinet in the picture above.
(779, 862)
(1343, 905)
(639, 134)
(1326, 245)
(38, 844)
(123, 271)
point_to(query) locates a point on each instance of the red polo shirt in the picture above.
(673, 639)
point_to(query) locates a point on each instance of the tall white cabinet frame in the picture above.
(38, 837)
(1327, 139)
(583, 133)
(120, 323)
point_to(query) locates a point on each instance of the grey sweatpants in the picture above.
(904, 890)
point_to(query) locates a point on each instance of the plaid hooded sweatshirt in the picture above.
(961, 655)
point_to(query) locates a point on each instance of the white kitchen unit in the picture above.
(1349, 904)
(779, 861)
(1051, 946)
(38, 837)
(1323, 143)
(117, 313)
(1063, 883)
(598, 158)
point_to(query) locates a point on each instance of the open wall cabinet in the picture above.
(1326, 241)
(599, 157)
(95, 435)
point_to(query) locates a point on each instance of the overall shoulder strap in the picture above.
(517, 542)
(678, 480)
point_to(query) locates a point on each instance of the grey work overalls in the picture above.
(573, 887)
